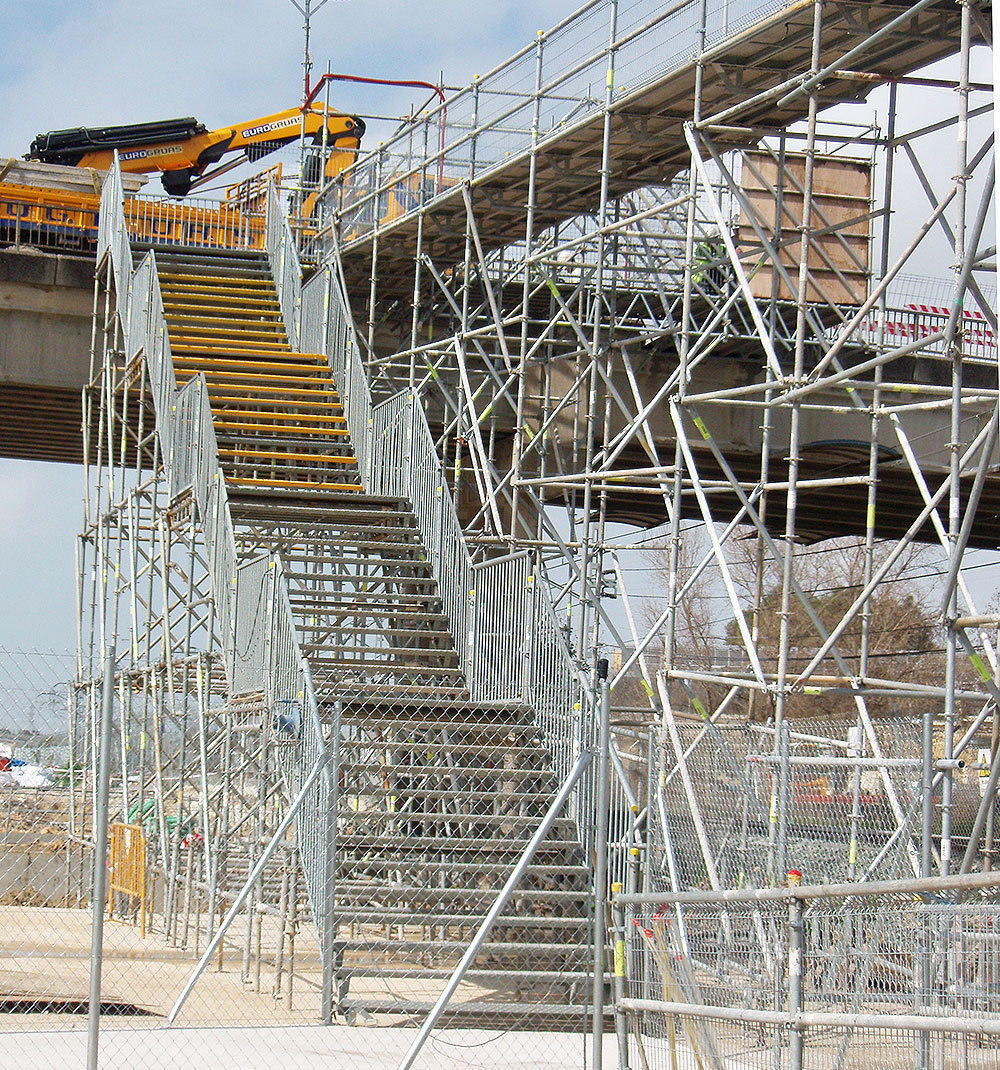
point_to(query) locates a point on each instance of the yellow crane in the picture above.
(183, 150)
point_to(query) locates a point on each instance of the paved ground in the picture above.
(298, 1048)
(44, 954)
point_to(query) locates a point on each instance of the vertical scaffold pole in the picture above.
(100, 879)
(602, 805)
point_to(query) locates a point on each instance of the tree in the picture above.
(904, 638)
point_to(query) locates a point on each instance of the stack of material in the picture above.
(58, 177)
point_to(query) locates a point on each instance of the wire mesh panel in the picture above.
(815, 978)
(720, 812)
(46, 815)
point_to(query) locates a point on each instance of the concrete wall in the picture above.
(46, 302)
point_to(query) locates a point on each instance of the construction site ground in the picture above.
(45, 959)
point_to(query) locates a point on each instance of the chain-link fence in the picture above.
(210, 953)
(734, 805)
(867, 975)
(40, 862)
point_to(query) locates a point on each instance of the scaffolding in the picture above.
(641, 274)
(733, 346)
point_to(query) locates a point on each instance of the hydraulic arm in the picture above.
(184, 149)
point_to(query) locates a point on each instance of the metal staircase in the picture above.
(436, 788)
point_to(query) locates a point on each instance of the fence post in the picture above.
(328, 998)
(796, 964)
(601, 860)
(618, 935)
(100, 879)
(407, 458)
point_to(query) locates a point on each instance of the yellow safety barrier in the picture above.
(127, 875)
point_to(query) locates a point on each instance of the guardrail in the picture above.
(802, 975)
(908, 323)
(194, 222)
(283, 257)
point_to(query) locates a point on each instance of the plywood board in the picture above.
(57, 176)
(838, 258)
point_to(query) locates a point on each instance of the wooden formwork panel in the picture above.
(840, 220)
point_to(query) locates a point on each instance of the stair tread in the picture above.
(454, 1008)
(243, 481)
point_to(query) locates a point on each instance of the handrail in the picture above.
(283, 256)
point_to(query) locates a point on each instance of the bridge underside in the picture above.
(44, 362)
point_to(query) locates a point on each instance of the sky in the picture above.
(83, 63)
(72, 63)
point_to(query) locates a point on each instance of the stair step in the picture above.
(418, 669)
(213, 363)
(330, 654)
(428, 747)
(241, 355)
(285, 413)
(413, 564)
(314, 393)
(204, 330)
(362, 819)
(171, 254)
(179, 304)
(467, 848)
(233, 380)
(475, 868)
(360, 509)
(478, 1012)
(279, 407)
(521, 921)
(362, 605)
(329, 458)
(246, 425)
(483, 976)
(399, 769)
(240, 302)
(228, 345)
(375, 583)
(381, 946)
(329, 530)
(370, 719)
(216, 323)
(241, 279)
(390, 633)
(246, 481)
(368, 691)
(353, 551)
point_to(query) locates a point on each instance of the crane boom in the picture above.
(182, 149)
